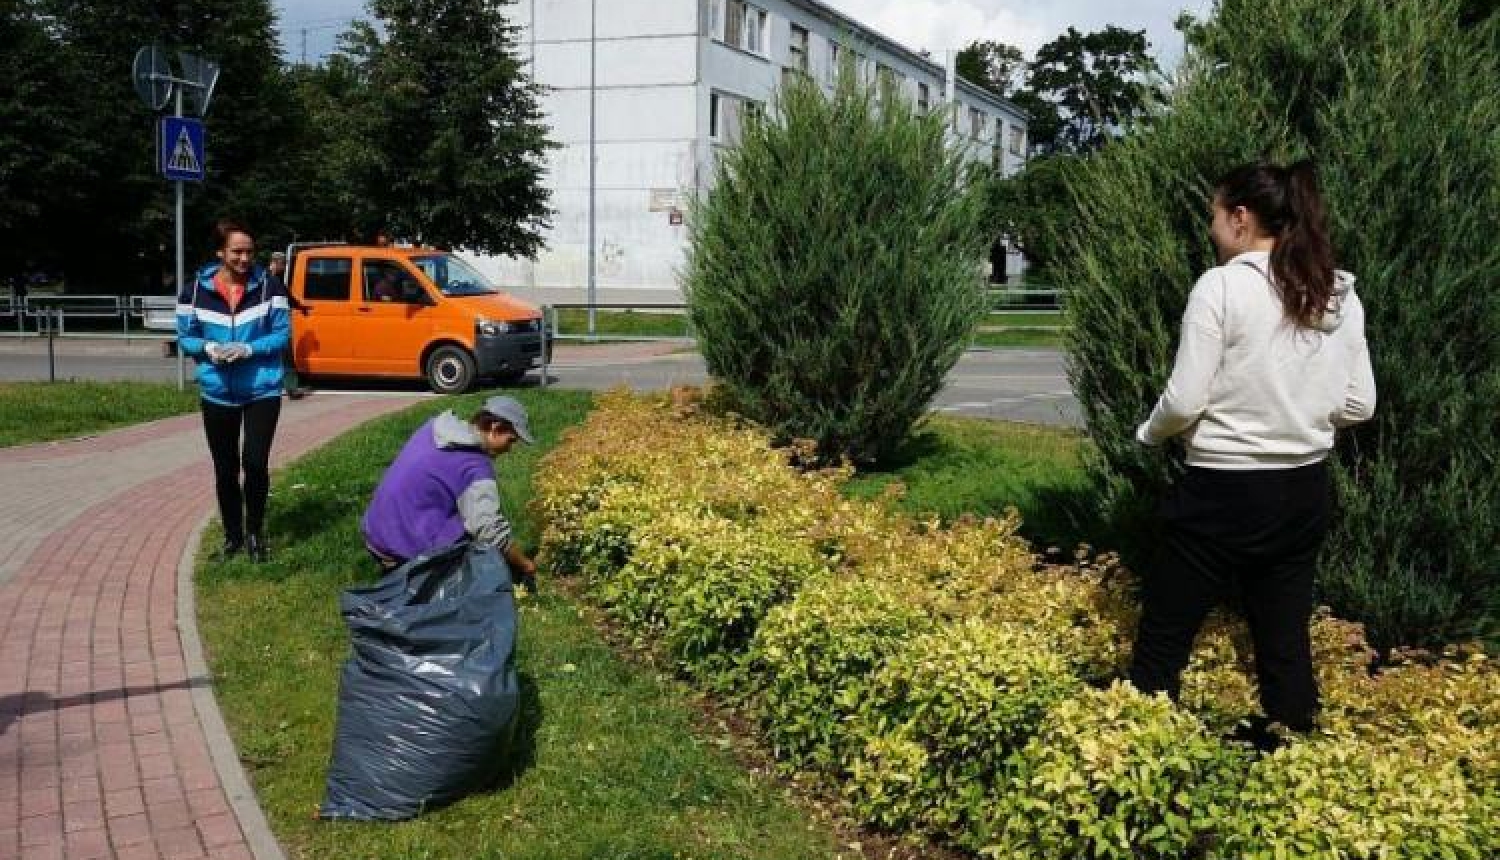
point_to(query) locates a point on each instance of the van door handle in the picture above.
(364, 310)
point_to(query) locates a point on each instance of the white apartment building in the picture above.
(643, 93)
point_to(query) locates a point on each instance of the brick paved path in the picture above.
(103, 747)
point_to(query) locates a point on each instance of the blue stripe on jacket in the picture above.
(261, 321)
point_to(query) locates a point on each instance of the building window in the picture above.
(755, 30)
(726, 117)
(835, 60)
(799, 48)
(924, 97)
(738, 24)
(1017, 140)
(976, 123)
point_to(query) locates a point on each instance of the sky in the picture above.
(934, 25)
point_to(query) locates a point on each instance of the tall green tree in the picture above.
(1035, 207)
(450, 143)
(996, 66)
(1401, 119)
(124, 211)
(1084, 89)
(834, 271)
(45, 166)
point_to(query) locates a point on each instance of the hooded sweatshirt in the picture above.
(439, 488)
(259, 320)
(1251, 389)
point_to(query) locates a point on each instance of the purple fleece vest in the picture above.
(415, 508)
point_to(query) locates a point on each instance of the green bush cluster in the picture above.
(1337, 797)
(835, 271)
(956, 686)
(1396, 101)
(1119, 775)
(942, 717)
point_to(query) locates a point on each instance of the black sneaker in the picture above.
(232, 547)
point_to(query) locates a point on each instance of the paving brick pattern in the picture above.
(102, 753)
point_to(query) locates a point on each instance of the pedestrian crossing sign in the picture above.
(182, 148)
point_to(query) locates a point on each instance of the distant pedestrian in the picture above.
(442, 487)
(276, 272)
(232, 320)
(1272, 361)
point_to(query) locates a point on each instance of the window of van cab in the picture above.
(327, 279)
(453, 276)
(386, 281)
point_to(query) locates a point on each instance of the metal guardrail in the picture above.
(49, 314)
(1008, 302)
(156, 314)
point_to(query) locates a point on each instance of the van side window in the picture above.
(327, 280)
(388, 282)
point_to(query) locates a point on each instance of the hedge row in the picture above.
(960, 688)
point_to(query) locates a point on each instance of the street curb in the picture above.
(252, 819)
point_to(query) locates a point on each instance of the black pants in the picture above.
(1255, 533)
(222, 426)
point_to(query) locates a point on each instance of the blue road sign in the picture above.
(182, 148)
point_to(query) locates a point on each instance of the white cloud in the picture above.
(934, 25)
(940, 25)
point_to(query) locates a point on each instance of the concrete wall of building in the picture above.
(657, 67)
(645, 132)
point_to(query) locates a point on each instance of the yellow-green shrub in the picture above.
(914, 658)
(1448, 710)
(1336, 798)
(705, 583)
(812, 659)
(1219, 683)
(1114, 774)
(1087, 611)
(943, 714)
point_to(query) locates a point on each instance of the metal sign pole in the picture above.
(593, 164)
(178, 283)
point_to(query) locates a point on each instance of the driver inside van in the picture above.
(386, 287)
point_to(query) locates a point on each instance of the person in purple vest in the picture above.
(442, 487)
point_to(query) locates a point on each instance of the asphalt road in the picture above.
(1012, 384)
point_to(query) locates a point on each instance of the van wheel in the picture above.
(450, 370)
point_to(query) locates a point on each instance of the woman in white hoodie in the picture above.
(1272, 361)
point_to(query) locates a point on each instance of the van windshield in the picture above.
(453, 276)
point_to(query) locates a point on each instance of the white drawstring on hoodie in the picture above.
(1251, 389)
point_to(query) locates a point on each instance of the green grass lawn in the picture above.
(1018, 330)
(957, 466)
(614, 763)
(996, 330)
(630, 323)
(44, 411)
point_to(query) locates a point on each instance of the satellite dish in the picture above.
(152, 77)
(203, 73)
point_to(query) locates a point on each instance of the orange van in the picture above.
(406, 312)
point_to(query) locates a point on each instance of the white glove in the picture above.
(214, 350)
(232, 352)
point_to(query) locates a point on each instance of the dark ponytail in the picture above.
(1289, 207)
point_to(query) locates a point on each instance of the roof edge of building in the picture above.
(865, 31)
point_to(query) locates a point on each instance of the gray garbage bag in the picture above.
(428, 700)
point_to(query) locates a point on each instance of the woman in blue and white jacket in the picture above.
(233, 321)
